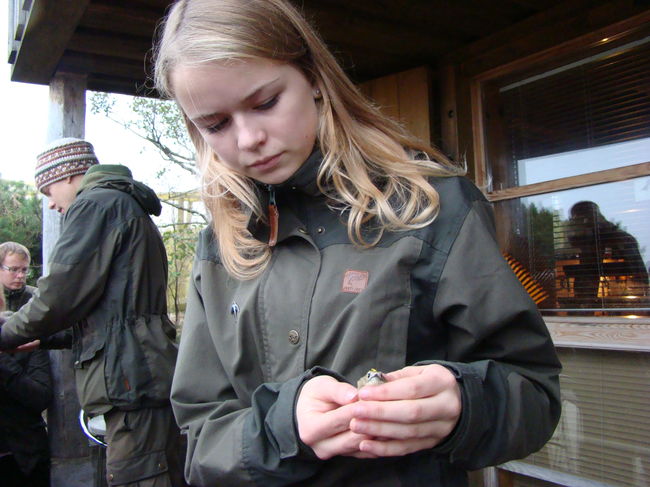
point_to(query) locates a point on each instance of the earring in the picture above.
(317, 94)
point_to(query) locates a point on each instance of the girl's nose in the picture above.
(250, 136)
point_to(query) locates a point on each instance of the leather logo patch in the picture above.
(354, 281)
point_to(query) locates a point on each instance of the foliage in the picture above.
(158, 122)
(21, 220)
(180, 240)
(542, 237)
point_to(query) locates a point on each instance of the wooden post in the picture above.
(71, 460)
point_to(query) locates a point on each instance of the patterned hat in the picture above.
(63, 158)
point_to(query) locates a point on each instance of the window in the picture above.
(568, 164)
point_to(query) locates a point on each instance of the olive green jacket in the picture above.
(442, 294)
(108, 276)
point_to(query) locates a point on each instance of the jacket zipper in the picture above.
(274, 216)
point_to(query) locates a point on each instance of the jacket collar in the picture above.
(304, 181)
(119, 177)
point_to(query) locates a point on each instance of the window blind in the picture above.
(604, 433)
(601, 101)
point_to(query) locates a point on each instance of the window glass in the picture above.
(587, 248)
(582, 117)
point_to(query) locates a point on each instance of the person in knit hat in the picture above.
(64, 162)
(108, 277)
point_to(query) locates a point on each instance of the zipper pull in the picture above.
(274, 216)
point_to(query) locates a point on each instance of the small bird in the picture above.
(371, 378)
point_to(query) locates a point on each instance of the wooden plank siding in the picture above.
(406, 97)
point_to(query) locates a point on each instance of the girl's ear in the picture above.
(317, 93)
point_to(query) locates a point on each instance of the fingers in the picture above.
(316, 426)
(376, 448)
(442, 406)
(416, 409)
(28, 347)
(411, 383)
(345, 443)
(323, 413)
(434, 429)
(326, 390)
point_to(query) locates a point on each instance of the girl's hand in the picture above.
(417, 409)
(323, 412)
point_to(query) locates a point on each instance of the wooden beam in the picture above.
(68, 446)
(120, 19)
(384, 36)
(75, 62)
(49, 27)
(478, 17)
(104, 44)
(568, 21)
(600, 177)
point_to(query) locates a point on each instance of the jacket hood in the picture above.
(118, 177)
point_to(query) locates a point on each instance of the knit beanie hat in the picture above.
(63, 158)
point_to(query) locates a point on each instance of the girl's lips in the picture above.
(267, 162)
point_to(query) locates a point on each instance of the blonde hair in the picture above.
(7, 248)
(371, 166)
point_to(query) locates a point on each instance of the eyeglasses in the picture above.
(15, 270)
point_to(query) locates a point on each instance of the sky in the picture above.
(24, 133)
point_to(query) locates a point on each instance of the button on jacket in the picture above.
(108, 277)
(442, 294)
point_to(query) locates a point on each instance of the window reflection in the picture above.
(589, 248)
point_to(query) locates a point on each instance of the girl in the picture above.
(338, 244)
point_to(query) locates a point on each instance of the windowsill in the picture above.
(603, 333)
(553, 476)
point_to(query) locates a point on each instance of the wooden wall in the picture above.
(407, 97)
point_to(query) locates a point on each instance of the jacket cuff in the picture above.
(471, 425)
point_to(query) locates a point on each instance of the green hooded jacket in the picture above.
(108, 277)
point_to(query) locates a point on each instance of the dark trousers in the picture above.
(12, 476)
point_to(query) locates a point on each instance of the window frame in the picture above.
(463, 85)
(604, 333)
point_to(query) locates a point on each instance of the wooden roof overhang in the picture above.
(108, 41)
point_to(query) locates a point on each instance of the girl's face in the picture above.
(258, 116)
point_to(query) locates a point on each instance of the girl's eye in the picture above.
(217, 127)
(270, 103)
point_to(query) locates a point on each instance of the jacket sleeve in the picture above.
(58, 341)
(499, 349)
(27, 382)
(233, 440)
(78, 270)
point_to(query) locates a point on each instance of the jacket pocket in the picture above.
(90, 339)
(91, 384)
(88, 345)
(140, 361)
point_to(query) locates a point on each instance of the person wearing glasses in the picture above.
(25, 386)
(14, 268)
